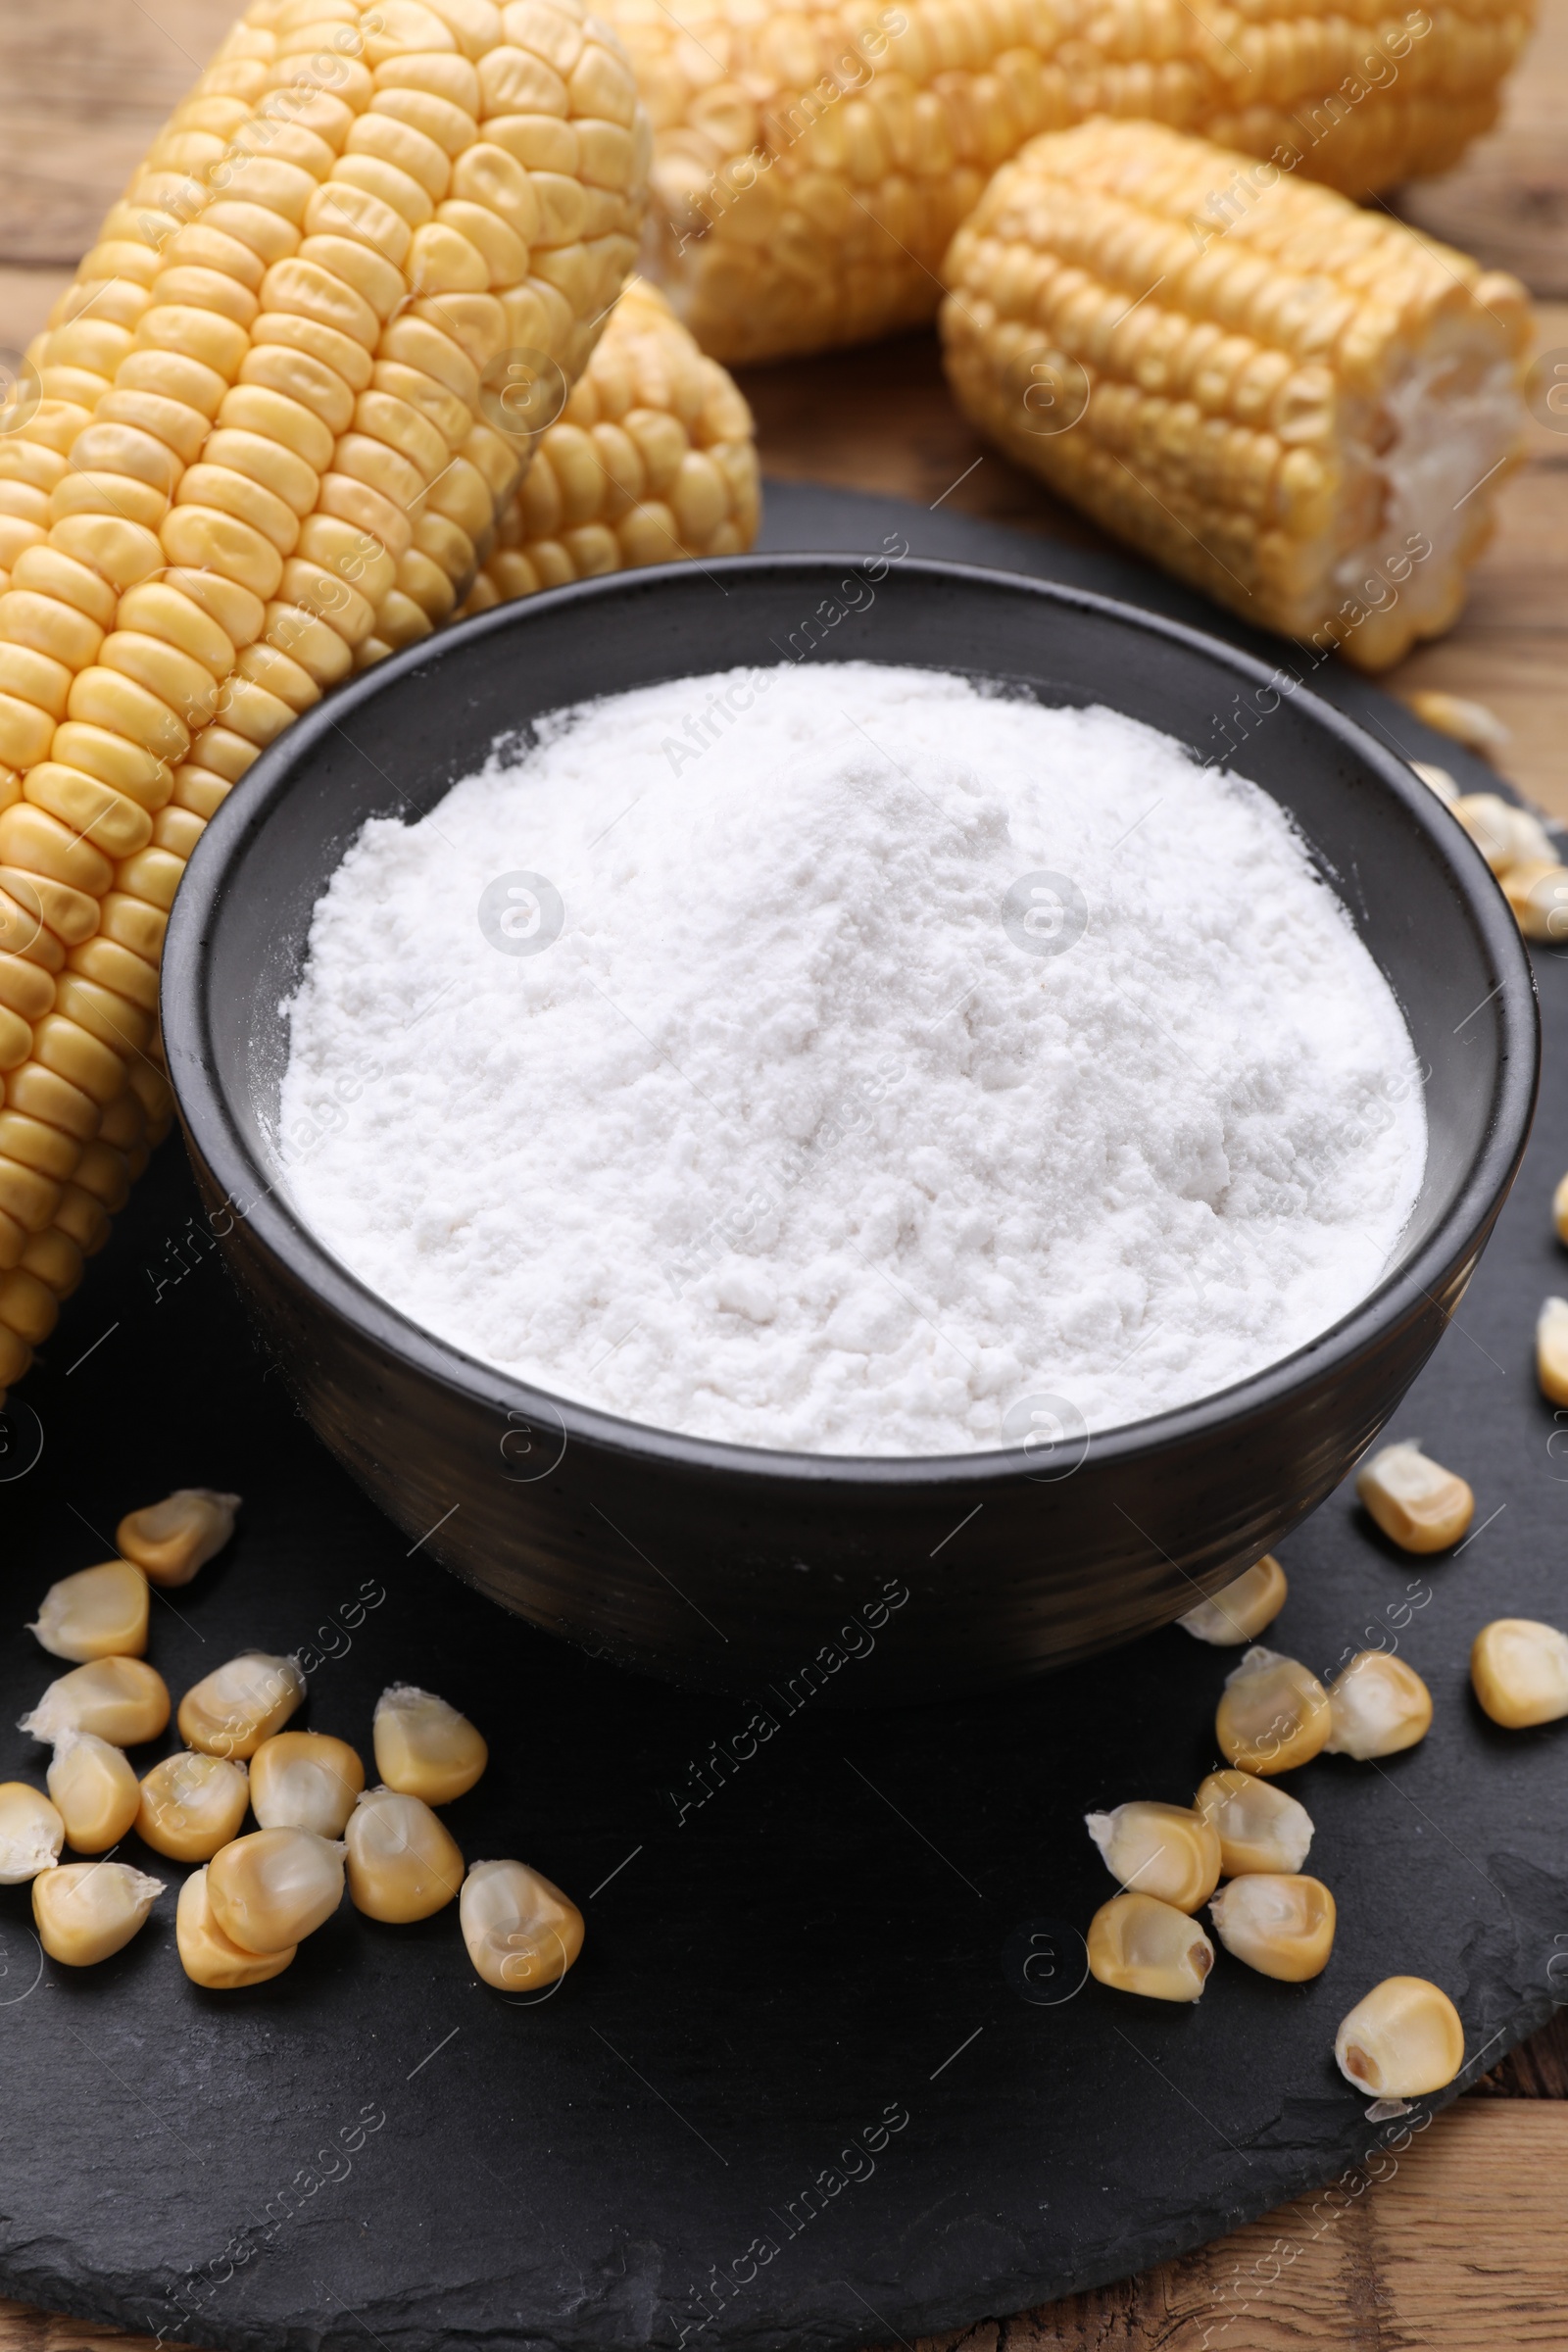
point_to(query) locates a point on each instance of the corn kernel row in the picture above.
(271, 465)
(811, 167)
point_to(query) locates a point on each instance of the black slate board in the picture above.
(827, 2070)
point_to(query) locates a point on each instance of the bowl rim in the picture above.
(218, 1143)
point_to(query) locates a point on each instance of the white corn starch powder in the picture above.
(907, 1054)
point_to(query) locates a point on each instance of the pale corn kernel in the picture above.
(1519, 1672)
(1379, 1705)
(1537, 892)
(1239, 1610)
(1139, 1945)
(1165, 1850)
(1418, 1505)
(423, 1747)
(304, 1780)
(403, 1863)
(522, 1932)
(94, 1790)
(169, 1541)
(124, 1700)
(230, 1711)
(97, 1613)
(1551, 1350)
(1471, 723)
(1404, 2039)
(211, 1958)
(274, 1888)
(1506, 836)
(1273, 1714)
(1560, 1210)
(1258, 1827)
(192, 1805)
(86, 1911)
(1278, 1922)
(31, 1832)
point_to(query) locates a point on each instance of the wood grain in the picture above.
(1461, 2250)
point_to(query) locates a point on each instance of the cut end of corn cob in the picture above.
(1239, 1610)
(1519, 1672)
(808, 170)
(1404, 2039)
(1417, 1504)
(1274, 1714)
(1302, 407)
(1140, 1944)
(652, 459)
(521, 1931)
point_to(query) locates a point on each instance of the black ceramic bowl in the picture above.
(732, 1567)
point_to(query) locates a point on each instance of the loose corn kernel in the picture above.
(1139, 1945)
(1551, 1350)
(31, 1832)
(86, 1911)
(403, 1862)
(1560, 1210)
(94, 1790)
(521, 1931)
(191, 1806)
(1404, 2038)
(124, 1700)
(1519, 1672)
(169, 1541)
(1165, 1850)
(97, 1613)
(211, 1958)
(1538, 894)
(304, 1780)
(1506, 835)
(423, 1747)
(1238, 1611)
(1379, 1705)
(1273, 1714)
(1282, 1925)
(274, 1888)
(1418, 1505)
(1258, 1827)
(230, 1711)
(1471, 723)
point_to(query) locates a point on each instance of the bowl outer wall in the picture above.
(735, 1567)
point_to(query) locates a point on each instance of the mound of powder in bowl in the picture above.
(846, 1068)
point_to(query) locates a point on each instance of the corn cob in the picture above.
(259, 447)
(1306, 413)
(653, 459)
(809, 168)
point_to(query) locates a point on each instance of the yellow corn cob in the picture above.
(653, 459)
(811, 168)
(261, 405)
(1302, 407)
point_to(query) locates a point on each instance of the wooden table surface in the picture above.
(1465, 2248)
